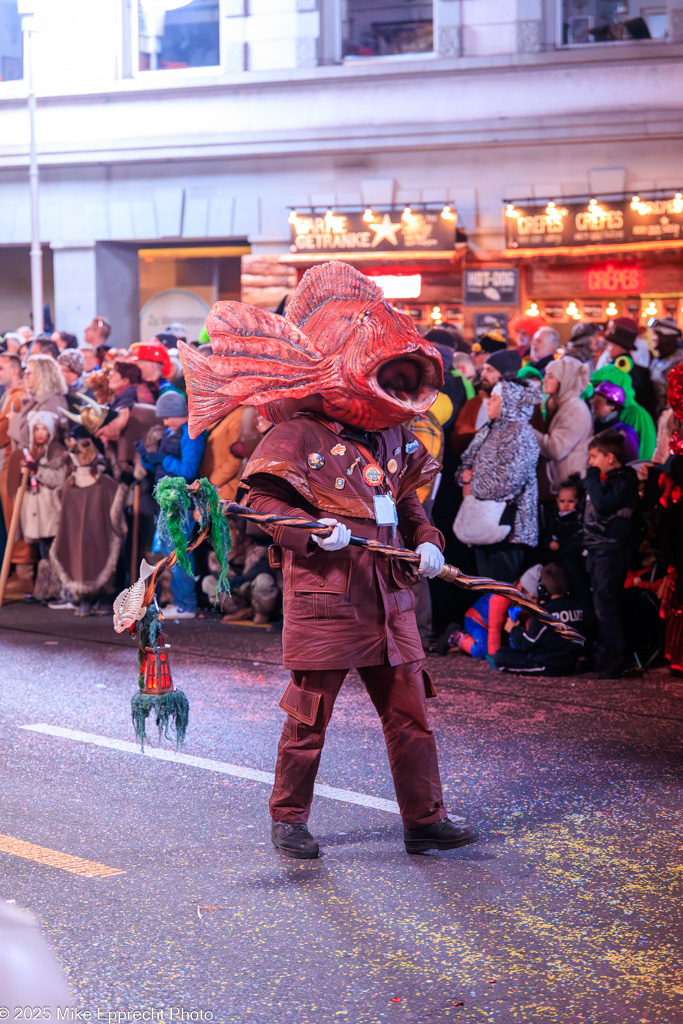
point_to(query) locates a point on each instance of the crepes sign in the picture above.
(372, 230)
(594, 223)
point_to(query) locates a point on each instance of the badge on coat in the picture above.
(315, 461)
(412, 446)
(339, 483)
(392, 466)
(373, 475)
(339, 449)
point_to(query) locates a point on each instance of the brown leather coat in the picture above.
(350, 608)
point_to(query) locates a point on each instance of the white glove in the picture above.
(338, 539)
(431, 560)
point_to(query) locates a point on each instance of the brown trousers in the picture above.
(398, 694)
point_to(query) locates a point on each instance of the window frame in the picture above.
(131, 62)
(558, 12)
(16, 87)
(383, 57)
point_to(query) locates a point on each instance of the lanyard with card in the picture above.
(385, 510)
(386, 513)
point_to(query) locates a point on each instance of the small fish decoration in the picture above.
(129, 606)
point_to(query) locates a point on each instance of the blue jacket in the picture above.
(187, 463)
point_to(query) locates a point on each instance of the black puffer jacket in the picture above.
(611, 507)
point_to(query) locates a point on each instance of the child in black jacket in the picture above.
(536, 648)
(609, 526)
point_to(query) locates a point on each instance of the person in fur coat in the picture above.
(88, 542)
(47, 462)
(564, 446)
(500, 465)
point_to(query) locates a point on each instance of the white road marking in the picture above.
(346, 796)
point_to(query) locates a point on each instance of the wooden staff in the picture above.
(135, 531)
(450, 573)
(12, 532)
(167, 563)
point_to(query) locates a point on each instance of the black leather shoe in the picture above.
(440, 835)
(294, 840)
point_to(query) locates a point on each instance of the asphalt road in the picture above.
(568, 910)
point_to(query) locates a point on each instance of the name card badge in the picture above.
(385, 510)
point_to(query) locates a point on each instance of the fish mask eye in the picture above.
(364, 317)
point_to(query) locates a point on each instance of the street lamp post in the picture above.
(26, 9)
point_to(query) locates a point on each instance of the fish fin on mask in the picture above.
(237, 329)
(251, 370)
(330, 282)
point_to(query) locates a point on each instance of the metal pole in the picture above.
(36, 248)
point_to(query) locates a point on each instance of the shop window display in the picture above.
(11, 42)
(604, 21)
(384, 27)
(176, 34)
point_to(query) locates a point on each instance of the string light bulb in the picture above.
(436, 314)
(650, 309)
(532, 310)
(447, 213)
(611, 309)
(572, 310)
(510, 210)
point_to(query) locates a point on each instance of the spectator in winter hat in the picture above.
(71, 364)
(621, 337)
(155, 363)
(488, 343)
(608, 404)
(503, 364)
(667, 336)
(585, 342)
(178, 455)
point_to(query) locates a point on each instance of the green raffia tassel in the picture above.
(172, 710)
(175, 504)
(208, 504)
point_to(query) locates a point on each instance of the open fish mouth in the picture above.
(410, 380)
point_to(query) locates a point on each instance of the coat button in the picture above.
(321, 583)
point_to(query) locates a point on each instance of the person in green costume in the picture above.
(632, 414)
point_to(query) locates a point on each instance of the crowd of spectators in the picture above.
(557, 476)
(86, 432)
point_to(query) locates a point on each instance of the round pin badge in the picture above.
(392, 466)
(316, 461)
(373, 475)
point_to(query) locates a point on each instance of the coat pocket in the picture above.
(302, 705)
(323, 572)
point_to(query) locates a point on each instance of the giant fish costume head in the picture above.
(341, 352)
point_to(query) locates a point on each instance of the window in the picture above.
(11, 42)
(178, 34)
(376, 28)
(606, 21)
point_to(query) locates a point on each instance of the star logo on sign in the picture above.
(385, 230)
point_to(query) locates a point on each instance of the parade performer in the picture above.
(339, 376)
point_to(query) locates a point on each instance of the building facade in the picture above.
(183, 144)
